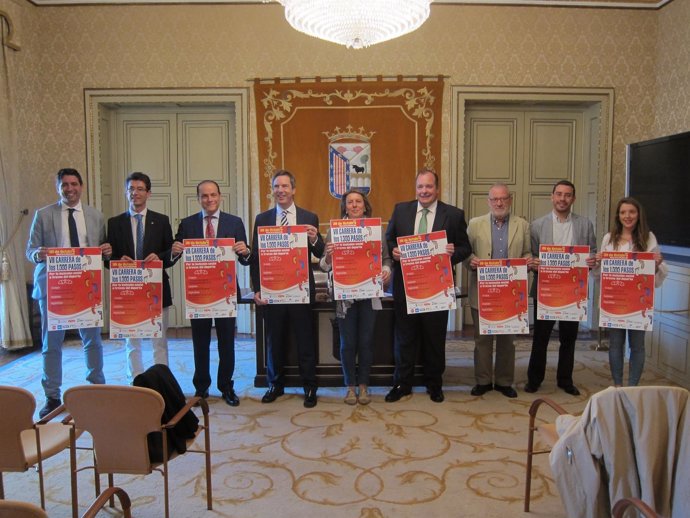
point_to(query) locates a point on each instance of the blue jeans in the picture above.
(52, 354)
(617, 355)
(357, 342)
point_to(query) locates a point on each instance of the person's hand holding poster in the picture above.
(136, 299)
(357, 258)
(563, 283)
(427, 272)
(284, 264)
(503, 304)
(210, 278)
(74, 288)
(627, 290)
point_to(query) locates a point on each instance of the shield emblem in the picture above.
(349, 167)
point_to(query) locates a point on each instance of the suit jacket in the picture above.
(46, 230)
(541, 232)
(268, 219)
(479, 232)
(158, 240)
(192, 227)
(448, 218)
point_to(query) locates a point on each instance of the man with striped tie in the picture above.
(278, 316)
(209, 223)
(142, 234)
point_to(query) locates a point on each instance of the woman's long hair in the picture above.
(640, 234)
(343, 203)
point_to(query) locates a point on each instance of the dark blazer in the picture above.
(268, 219)
(158, 240)
(448, 218)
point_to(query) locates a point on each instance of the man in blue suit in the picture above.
(211, 222)
(559, 227)
(277, 316)
(67, 223)
(156, 241)
(425, 331)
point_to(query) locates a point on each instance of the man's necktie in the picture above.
(422, 222)
(283, 218)
(72, 225)
(210, 233)
(140, 238)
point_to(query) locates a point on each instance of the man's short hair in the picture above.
(202, 182)
(284, 172)
(68, 172)
(139, 177)
(427, 171)
(567, 183)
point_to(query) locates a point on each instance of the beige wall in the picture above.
(643, 55)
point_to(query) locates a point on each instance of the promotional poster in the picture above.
(357, 258)
(284, 264)
(74, 280)
(627, 290)
(503, 297)
(136, 299)
(563, 283)
(427, 272)
(209, 278)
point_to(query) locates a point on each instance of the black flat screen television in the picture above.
(659, 178)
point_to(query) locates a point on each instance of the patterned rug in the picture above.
(463, 458)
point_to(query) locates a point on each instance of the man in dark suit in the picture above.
(209, 223)
(561, 226)
(425, 330)
(277, 316)
(67, 223)
(140, 226)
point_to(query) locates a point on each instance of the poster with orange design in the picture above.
(356, 258)
(503, 304)
(627, 290)
(210, 284)
(562, 283)
(427, 272)
(136, 299)
(284, 264)
(74, 281)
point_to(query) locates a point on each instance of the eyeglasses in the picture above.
(503, 199)
(136, 189)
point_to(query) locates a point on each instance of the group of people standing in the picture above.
(143, 234)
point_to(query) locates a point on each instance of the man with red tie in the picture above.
(211, 222)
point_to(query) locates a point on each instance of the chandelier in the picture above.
(356, 23)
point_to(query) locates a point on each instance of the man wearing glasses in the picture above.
(143, 235)
(495, 235)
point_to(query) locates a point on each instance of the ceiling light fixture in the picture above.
(356, 23)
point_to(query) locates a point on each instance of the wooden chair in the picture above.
(119, 420)
(14, 509)
(628, 504)
(23, 442)
(548, 434)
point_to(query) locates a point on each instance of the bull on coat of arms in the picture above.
(349, 161)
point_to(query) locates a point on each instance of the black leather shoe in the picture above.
(396, 393)
(309, 398)
(571, 389)
(531, 388)
(435, 394)
(51, 404)
(231, 398)
(506, 390)
(272, 394)
(480, 390)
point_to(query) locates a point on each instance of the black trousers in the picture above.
(567, 335)
(201, 341)
(279, 318)
(425, 331)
